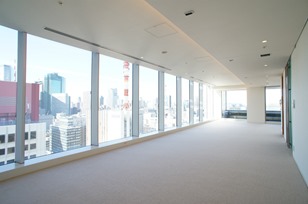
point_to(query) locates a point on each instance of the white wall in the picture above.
(256, 105)
(299, 76)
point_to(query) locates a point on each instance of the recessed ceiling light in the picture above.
(141, 57)
(264, 41)
(265, 65)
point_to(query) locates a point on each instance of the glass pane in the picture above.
(8, 79)
(237, 100)
(115, 111)
(57, 97)
(273, 104)
(170, 101)
(196, 102)
(148, 99)
(273, 99)
(185, 102)
(236, 104)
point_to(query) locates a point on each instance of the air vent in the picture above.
(188, 13)
(103, 47)
(265, 55)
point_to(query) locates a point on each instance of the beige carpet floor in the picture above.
(227, 161)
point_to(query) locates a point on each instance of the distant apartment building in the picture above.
(35, 142)
(68, 132)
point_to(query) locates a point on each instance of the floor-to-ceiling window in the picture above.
(236, 104)
(273, 103)
(115, 97)
(57, 97)
(185, 102)
(170, 101)
(8, 79)
(148, 100)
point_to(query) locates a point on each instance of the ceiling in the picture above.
(219, 44)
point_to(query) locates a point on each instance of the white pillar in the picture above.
(135, 100)
(94, 99)
(178, 102)
(191, 102)
(161, 101)
(21, 98)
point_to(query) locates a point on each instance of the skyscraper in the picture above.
(113, 98)
(7, 73)
(53, 83)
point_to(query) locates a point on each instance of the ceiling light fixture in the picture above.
(264, 41)
(265, 65)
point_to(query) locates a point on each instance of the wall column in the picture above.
(21, 98)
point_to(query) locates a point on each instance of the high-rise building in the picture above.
(68, 132)
(7, 73)
(53, 83)
(60, 103)
(113, 99)
(101, 101)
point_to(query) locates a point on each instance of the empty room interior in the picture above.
(153, 101)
